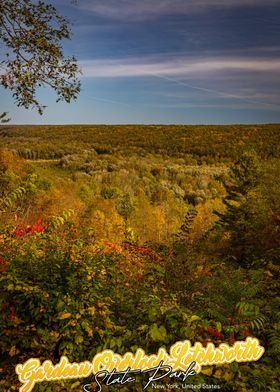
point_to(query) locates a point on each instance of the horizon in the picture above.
(10, 124)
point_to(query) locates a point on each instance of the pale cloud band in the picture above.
(108, 68)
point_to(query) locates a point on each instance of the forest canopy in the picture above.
(172, 230)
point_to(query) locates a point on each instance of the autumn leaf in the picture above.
(64, 316)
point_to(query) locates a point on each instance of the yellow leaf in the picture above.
(91, 310)
(64, 316)
(228, 376)
(54, 334)
(75, 385)
(218, 373)
(194, 318)
(12, 351)
(207, 372)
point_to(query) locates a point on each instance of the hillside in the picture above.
(131, 236)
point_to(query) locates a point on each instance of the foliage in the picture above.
(196, 145)
(248, 219)
(3, 118)
(106, 244)
(32, 33)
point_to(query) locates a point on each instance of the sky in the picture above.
(167, 62)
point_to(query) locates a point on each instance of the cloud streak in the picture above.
(139, 67)
(219, 93)
(193, 69)
(147, 9)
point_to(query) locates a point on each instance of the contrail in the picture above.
(222, 93)
(179, 82)
(107, 100)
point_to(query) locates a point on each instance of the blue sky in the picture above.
(168, 61)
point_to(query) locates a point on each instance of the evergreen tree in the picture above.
(238, 218)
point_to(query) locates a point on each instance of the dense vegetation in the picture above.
(139, 236)
(196, 144)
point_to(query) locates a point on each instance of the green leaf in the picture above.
(158, 334)
(79, 339)
(218, 326)
(194, 318)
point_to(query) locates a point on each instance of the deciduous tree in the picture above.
(32, 35)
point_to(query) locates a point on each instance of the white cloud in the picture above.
(177, 67)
